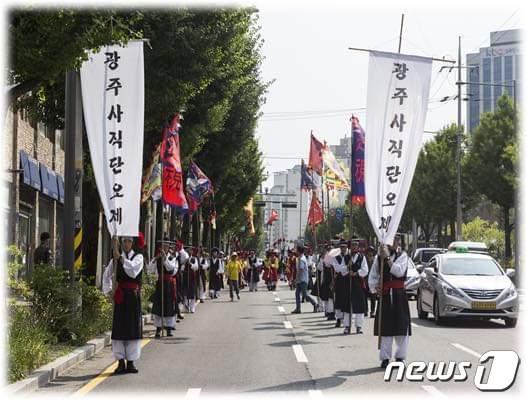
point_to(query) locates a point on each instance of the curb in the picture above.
(46, 373)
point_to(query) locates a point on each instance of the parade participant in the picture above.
(301, 282)
(370, 255)
(214, 274)
(165, 266)
(393, 308)
(203, 267)
(326, 286)
(233, 269)
(183, 257)
(253, 271)
(342, 283)
(271, 270)
(191, 281)
(359, 270)
(291, 268)
(127, 325)
(222, 268)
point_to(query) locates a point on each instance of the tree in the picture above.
(479, 230)
(491, 162)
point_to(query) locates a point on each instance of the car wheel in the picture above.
(511, 322)
(420, 313)
(437, 318)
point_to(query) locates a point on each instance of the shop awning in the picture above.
(60, 184)
(49, 182)
(31, 171)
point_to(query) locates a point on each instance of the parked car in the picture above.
(413, 278)
(462, 284)
(422, 256)
(471, 247)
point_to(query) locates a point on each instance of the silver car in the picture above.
(467, 285)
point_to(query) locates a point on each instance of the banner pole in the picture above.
(379, 309)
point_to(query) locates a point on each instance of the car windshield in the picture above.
(428, 254)
(470, 266)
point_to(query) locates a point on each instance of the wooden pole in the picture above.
(379, 308)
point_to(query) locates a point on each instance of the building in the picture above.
(498, 63)
(291, 222)
(33, 175)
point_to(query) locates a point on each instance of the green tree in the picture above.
(491, 163)
(479, 230)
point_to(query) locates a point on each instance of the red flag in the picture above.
(315, 155)
(273, 217)
(316, 215)
(173, 194)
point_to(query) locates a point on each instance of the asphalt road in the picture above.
(255, 346)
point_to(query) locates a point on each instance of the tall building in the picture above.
(291, 222)
(498, 63)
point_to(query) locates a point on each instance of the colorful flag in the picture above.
(357, 159)
(151, 186)
(198, 185)
(249, 213)
(316, 215)
(306, 180)
(334, 175)
(315, 155)
(273, 217)
(172, 176)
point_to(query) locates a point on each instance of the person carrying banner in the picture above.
(291, 263)
(233, 269)
(203, 267)
(326, 285)
(359, 270)
(214, 274)
(253, 271)
(271, 269)
(395, 320)
(342, 284)
(370, 255)
(127, 325)
(191, 281)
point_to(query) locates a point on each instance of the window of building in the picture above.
(487, 92)
(474, 96)
(508, 68)
(497, 78)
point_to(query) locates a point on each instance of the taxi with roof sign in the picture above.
(465, 284)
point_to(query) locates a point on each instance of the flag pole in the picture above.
(351, 216)
(301, 189)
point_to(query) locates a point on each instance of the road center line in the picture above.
(281, 309)
(466, 350)
(299, 353)
(274, 293)
(102, 376)
(288, 325)
(435, 392)
(276, 299)
(193, 393)
(315, 394)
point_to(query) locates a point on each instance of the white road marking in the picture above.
(435, 392)
(315, 394)
(281, 309)
(276, 299)
(274, 293)
(415, 325)
(193, 393)
(466, 350)
(288, 325)
(299, 353)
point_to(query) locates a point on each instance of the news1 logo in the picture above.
(496, 371)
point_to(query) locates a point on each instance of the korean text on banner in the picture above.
(112, 82)
(398, 89)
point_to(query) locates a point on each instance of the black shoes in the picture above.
(359, 331)
(400, 359)
(180, 316)
(384, 364)
(169, 331)
(347, 330)
(337, 325)
(331, 317)
(158, 332)
(372, 315)
(315, 307)
(130, 367)
(120, 368)
(238, 296)
(295, 312)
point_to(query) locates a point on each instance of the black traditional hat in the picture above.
(214, 249)
(343, 242)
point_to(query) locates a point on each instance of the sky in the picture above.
(318, 83)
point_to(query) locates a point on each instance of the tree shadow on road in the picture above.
(308, 384)
(359, 372)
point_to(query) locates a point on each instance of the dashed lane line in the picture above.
(315, 394)
(281, 309)
(435, 392)
(192, 393)
(466, 350)
(299, 353)
(288, 325)
(276, 299)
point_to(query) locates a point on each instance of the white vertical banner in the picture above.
(398, 89)
(112, 82)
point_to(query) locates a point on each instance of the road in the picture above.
(255, 345)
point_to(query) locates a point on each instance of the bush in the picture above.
(28, 343)
(148, 287)
(17, 286)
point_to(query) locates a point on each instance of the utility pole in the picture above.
(459, 230)
(72, 251)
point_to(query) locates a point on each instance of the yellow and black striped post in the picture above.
(77, 248)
